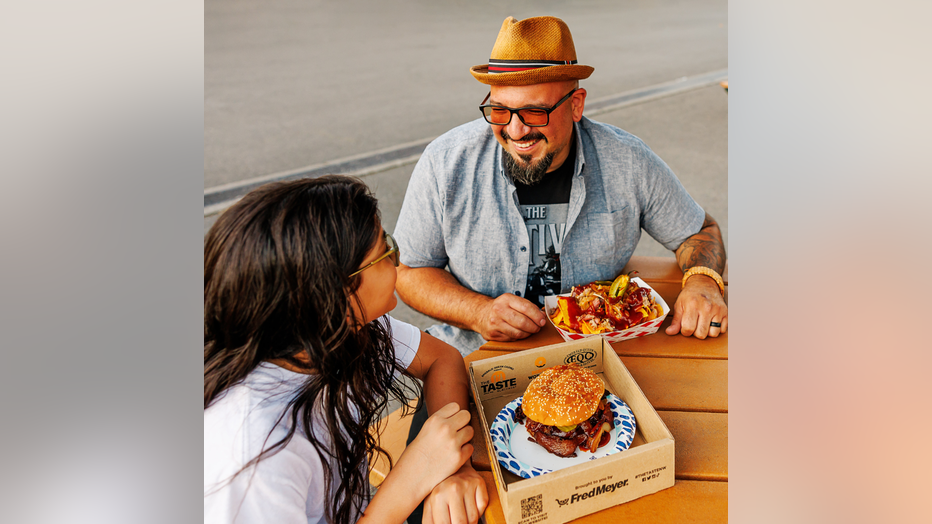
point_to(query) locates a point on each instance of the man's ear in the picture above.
(579, 102)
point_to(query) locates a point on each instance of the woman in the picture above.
(300, 359)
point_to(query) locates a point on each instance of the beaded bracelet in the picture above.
(702, 270)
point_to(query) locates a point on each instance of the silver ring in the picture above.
(716, 324)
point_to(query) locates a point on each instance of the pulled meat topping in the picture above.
(588, 435)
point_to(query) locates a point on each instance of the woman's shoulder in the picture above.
(246, 420)
(284, 485)
(244, 415)
(405, 337)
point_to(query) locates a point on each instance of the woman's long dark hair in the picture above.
(276, 284)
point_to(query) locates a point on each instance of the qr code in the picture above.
(532, 506)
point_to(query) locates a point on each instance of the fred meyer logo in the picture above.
(594, 492)
(580, 356)
(499, 379)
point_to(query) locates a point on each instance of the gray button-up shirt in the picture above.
(461, 212)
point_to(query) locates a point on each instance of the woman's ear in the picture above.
(357, 313)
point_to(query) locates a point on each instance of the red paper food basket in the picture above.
(640, 330)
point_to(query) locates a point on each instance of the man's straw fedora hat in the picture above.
(532, 51)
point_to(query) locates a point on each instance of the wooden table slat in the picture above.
(701, 444)
(393, 438)
(658, 344)
(682, 384)
(676, 346)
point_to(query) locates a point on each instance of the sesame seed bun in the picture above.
(563, 396)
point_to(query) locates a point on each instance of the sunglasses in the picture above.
(530, 116)
(392, 252)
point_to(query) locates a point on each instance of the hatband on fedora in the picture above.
(532, 51)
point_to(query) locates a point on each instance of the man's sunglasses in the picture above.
(530, 116)
(392, 252)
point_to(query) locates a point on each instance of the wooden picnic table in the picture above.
(686, 380)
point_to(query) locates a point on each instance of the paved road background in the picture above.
(290, 84)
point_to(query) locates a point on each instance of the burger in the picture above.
(565, 407)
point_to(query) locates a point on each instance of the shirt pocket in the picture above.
(612, 238)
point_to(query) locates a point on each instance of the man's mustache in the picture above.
(536, 135)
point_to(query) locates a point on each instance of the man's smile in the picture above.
(526, 143)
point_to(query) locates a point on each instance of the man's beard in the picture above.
(526, 172)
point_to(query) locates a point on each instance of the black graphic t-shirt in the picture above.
(544, 207)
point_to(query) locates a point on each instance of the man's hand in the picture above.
(509, 318)
(700, 303)
(459, 499)
(437, 293)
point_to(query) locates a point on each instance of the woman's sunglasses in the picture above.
(392, 252)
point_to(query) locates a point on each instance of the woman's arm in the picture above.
(440, 450)
(441, 368)
(436, 465)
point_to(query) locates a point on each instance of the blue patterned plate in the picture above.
(527, 459)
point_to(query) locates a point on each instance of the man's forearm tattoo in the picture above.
(705, 248)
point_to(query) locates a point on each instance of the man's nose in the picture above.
(516, 128)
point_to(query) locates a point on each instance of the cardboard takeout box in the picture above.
(562, 495)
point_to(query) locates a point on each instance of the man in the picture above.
(535, 198)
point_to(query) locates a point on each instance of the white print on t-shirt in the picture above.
(546, 228)
(537, 234)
